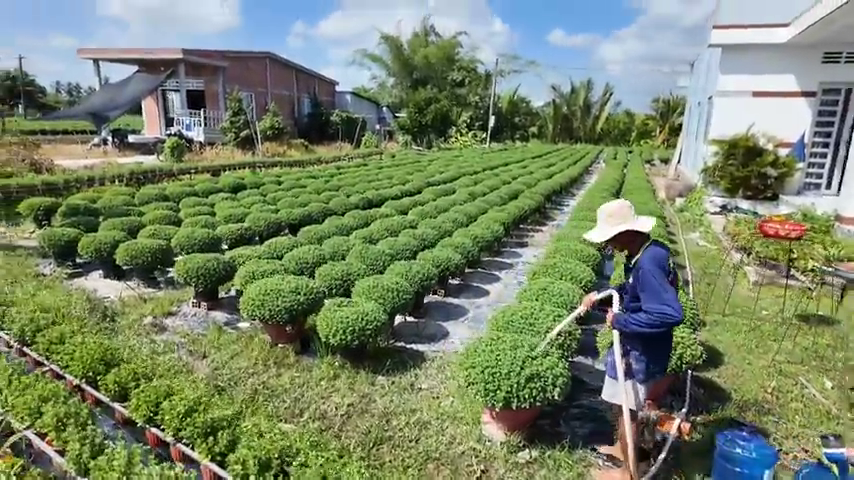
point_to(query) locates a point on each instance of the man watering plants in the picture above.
(650, 310)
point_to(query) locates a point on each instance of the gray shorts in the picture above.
(637, 392)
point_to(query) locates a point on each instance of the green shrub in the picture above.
(236, 235)
(337, 248)
(690, 312)
(536, 321)
(101, 247)
(193, 202)
(167, 206)
(257, 269)
(196, 240)
(208, 189)
(158, 232)
(202, 221)
(84, 224)
(145, 255)
(87, 196)
(391, 293)
(564, 270)
(175, 150)
(744, 166)
(266, 225)
(120, 212)
(580, 252)
(177, 192)
(60, 243)
(687, 352)
(444, 261)
(72, 209)
(114, 201)
(376, 259)
(205, 272)
(232, 215)
(370, 141)
(304, 260)
(197, 212)
(344, 324)
(128, 225)
(400, 248)
(509, 372)
(465, 247)
(336, 279)
(278, 247)
(425, 237)
(553, 293)
(241, 255)
(39, 210)
(149, 195)
(282, 300)
(419, 276)
(161, 217)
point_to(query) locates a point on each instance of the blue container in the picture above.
(815, 471)
(743, 454)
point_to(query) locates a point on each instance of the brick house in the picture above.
(192, 98)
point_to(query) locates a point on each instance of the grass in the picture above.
(752, 381)
(36, 126)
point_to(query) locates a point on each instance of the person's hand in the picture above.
(588, 301)
(609, 318)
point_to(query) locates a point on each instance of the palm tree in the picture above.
(667, 114)
(578, 115)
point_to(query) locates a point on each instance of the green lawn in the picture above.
(59, 127)
(748, 378)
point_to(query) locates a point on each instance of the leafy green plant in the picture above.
(207, 222)
(509, 372)
(336, 279)
(344, 324)
(272, 127)
(130, 226)
(278, 247)
(389, 292)
(236, 128)
(196, 240)
(205, 272)
(304, 260)
(257, 269)
(145, 256)
(748, 165)
(536, 321)
(39, 210)
(370, 140)
(281, 300)
(242, 255)
(158, 232)
(552, 293)
(236, 235)
(175, 150)
(162, 217)
(60, 243)
(266, 225)
(84, 224)
(101, 248)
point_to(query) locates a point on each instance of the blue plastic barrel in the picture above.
(815, 471)
(743, 454)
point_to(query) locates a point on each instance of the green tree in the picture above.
(236, 128)
(515, 117)
(10, 90)
(272, 126)
(316, 126)
(668, 112)
(577, 114)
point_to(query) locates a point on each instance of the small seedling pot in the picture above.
(284, 334)
(177, 453)
(212, 472)
(508, 420)
(154, 438)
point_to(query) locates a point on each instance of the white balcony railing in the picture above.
(199, 124)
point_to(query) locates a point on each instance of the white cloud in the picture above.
(648, 56)
(159, 16)
(559, 38)
(298, 33)
(356, 24)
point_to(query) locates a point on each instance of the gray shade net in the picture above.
(112, 100)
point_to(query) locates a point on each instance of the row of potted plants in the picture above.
(12, 189)
(155, 390)
(505, 370)
(687, 352)
(67, 426)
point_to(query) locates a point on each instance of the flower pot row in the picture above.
(38, 446)
(156, 439)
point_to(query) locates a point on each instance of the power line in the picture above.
(21, 84)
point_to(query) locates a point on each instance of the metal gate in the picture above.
(830, 139)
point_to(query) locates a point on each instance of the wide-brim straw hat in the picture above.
(615, 217)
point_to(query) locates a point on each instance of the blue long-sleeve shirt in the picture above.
(650, 312)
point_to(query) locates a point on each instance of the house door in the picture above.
(830, 139)
(171, 105)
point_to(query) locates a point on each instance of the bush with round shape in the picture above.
(208, 190)
(687, 352)
(101, 248)
(465, 247)
(445, 261)
(400, 248)
(304, 260)
(565, 270)
(508, 372)
(391, 293)
(197, 212)
(87, 196)
(257, 269)
(581, 252)
(337, 248)
(419, 276)
(193, 202)
(552, 293)
(128, 225)
(145, 256)
(267, 225)
(263, 208)
(278, 247)
(344, 324)
(196, 240)
(205, 272)
(158, 232)
(232, 215)
(115, 201)
(84, 224)
(207, 222)
(283, 301)
(39, 210)
(336, 279)
(162, 217)
(536, 321)
(148, 195)
(690, 311)
(71, 209)
(242, 255)
(376, 259)
(121, 212)
(425, 237)
(235, 235)
(165, 206)
(60, 243)
(231, 184)
(176, 193)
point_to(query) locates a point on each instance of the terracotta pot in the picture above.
(176, 453)
(70, 384)
(510, 420)
(153, 438)
(89, 397)
(120, 417)
(209, 472)
(284, 334)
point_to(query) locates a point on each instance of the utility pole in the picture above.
(491, 102)
(21, 84)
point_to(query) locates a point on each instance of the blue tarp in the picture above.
(799, 149)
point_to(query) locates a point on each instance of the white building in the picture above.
(785, 68)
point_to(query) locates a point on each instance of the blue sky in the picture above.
(641, 46)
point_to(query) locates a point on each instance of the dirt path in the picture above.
(87, 162)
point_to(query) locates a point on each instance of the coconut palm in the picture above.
(577, 114)
(667, 114)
